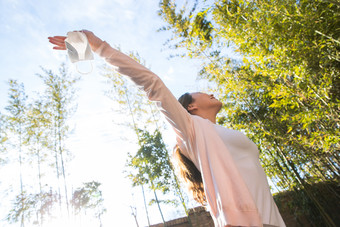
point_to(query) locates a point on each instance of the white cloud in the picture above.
(130, 15)
(168, 76)
(170, 70)
(124, 3)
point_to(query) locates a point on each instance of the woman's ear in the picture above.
(192, 107)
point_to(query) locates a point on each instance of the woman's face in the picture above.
(205, 102)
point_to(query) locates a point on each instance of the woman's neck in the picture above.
(209, 116)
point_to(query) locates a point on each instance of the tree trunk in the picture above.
(156, 198)
(21, 181)
(146, 208)
(56, 164)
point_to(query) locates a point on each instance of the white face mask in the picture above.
(78, 47)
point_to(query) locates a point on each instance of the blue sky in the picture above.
(99, 152)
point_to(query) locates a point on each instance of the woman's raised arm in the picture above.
(154, 87)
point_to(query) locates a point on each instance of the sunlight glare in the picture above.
(64, 222)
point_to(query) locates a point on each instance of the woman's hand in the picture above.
(94, 41)
(59, 41)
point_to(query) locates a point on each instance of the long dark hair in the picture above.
(186, 168)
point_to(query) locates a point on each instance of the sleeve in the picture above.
(154, 87)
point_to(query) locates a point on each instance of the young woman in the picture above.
(221, 165)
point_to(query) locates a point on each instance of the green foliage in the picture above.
(23, 206)
(16, 121)
(134, 101)
(131, 99)
(151, 162)
(299, 201)
(35, 131)
(32, 206)
(59, 103)
(55, 107)
(143, 114)
(151, 166)
(16, 105)
(280, 83)
(15, 116)
(59, 97)
(37, 136)
(3, 139)
(89, 198)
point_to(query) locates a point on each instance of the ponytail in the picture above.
(190, 175)
(186, 168)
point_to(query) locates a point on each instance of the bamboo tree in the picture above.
(59, 97)
(124, 95)
(283, 87)
(134, 214)
(89, 198)
(48, 200)
(3, 140)
(175, 183)
(146, 166)
(17, 123)
(145, 206)
(23, 208)
(130, 100)
(31, 206)
(37, 138)
(142, 110)
(152, 166)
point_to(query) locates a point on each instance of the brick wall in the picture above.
(199, 217)
(292, 213)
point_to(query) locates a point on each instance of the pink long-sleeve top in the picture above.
(234, 182)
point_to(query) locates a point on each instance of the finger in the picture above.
(57, 42)
(58, 37)
(59, 48)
